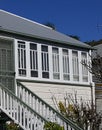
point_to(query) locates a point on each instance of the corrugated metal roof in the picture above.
(20, 25)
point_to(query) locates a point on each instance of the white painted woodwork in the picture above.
(26, 115)
(56, 65)
(22, 114)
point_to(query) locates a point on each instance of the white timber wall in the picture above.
(48, 91)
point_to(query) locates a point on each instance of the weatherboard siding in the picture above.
(48, 91)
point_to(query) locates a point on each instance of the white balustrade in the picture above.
(18, 111)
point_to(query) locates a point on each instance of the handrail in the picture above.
(20, 112)
(57, 117)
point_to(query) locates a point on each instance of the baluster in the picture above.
(4, 101)
(36, 104)
(16, 104)
(47, 113)
(0, 97)
(31, 101)
(41, 108)
(20, 113)
(30, 104)
(7, 102)
(14, 108)
(23, 113)
(26, 96)
(23, 94)
(27, 115)
(11, 105)
(31, 121)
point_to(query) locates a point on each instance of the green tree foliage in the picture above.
(52, 126)
(12, 126)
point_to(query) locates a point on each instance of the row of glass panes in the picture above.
(55, 62)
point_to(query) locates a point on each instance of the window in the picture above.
(21, 58)
(75, 65)
(33, 60)
(45, 61)
(84, 69)
(55, 62)
(65, 58)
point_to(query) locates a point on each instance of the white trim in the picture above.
(50, 63)
(60, 64)
(70, 65)
(80, 66)
(39, 61)
(16, 57)
(65, 62)
(89, 74)
(51, 79)
(27, 44)
(56, 65)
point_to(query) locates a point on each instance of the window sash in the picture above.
(55, 62)
(55, 58)
(33, 60)
(45, 62)
(84, 69)
(65, 60)
(75, 64)
(21, 58)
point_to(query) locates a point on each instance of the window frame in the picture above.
(65, 64)
(59, 52)
(33, 60)
(55, 64)
(21, 58)
(84, 69)
(75, 72)
(45, 62)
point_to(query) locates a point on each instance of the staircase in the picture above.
(30, 111)
(20, 112)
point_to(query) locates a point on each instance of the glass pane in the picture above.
(55, 62)
(21, 58)
(45, 61)
(75, 64)
(65, 58)
(33, 60)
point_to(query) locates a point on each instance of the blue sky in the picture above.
(73, 17)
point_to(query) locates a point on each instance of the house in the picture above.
(37, 63)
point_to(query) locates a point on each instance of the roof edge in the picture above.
(43, 38)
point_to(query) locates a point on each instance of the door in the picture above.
(7, 64)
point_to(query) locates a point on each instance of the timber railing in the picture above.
(21, 113)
